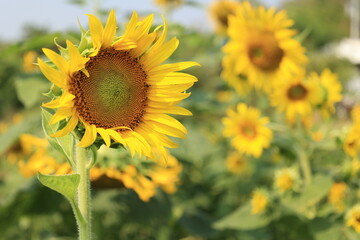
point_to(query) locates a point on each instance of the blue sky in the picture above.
(60, 15)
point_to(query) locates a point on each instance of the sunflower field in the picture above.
(139, 126)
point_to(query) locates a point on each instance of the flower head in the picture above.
(330, 88)
(170, 4)
(352, 141)
(262, 46)
(167, 175)
(247, 129)
(286, 179)
(239, 82)
(220, 10)
(337, 194)
(28, 61)
(236, 162)
(259, 201)
(353, 218)
(296, 97)
(117, 89)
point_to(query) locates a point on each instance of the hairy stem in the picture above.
(305, 166)
(83, 193)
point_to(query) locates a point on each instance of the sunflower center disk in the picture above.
(114, 95)
(297, 92)
(249, 131)
(264, 52)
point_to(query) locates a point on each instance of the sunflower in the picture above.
(117, 89)
(331, 89)
(28, 62)
(286, 179)
(295, 97)
(238, 81)
(353, 218)
(355, 114)
(259, 201)
(236, 162)
(168, 3)
(247, 129)
(337, 194)
(352, 141)
(261, 43)
(220, 11)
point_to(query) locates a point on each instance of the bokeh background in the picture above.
(209, 190)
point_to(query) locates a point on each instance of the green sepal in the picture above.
(64, 144)
(64, 184)
(83, 45)
(63, 51)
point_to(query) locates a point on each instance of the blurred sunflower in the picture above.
(353, 218)
(295, 97)
(236, 162)
(28, 61)
(168, 3)
(261, 43)
(238, 81)
(219, 13)
(331, 90)
(352, 141)
(259, 201)
(355, 114)
(117, 88)
(247, 129)
(286, 179)
(35, 158)
(166, 176)
(337, 194)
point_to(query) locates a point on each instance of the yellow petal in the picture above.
(151, 60)
(61, 114)
(162, 37)
(172, 78)
(104, 135)
(143, 28)
(146, 149)
(124, 44)
(58, 60)
(77, 62)
(53, 104)
(110, 30)
(166, 120)
(89, 136)
(54, 76)
(131, 25)
(172, 67)
(68, 128)
(64, 101)
(166, 129)
(170, 110)
(96, 31)
(116, 136)
(143, 44)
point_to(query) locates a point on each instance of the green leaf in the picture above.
(311, 195)
(243, 219)
(65, 184)
(323, 229)
(29, 91)
(64, 144)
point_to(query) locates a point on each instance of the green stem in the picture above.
(83, 193)
(305, 166)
